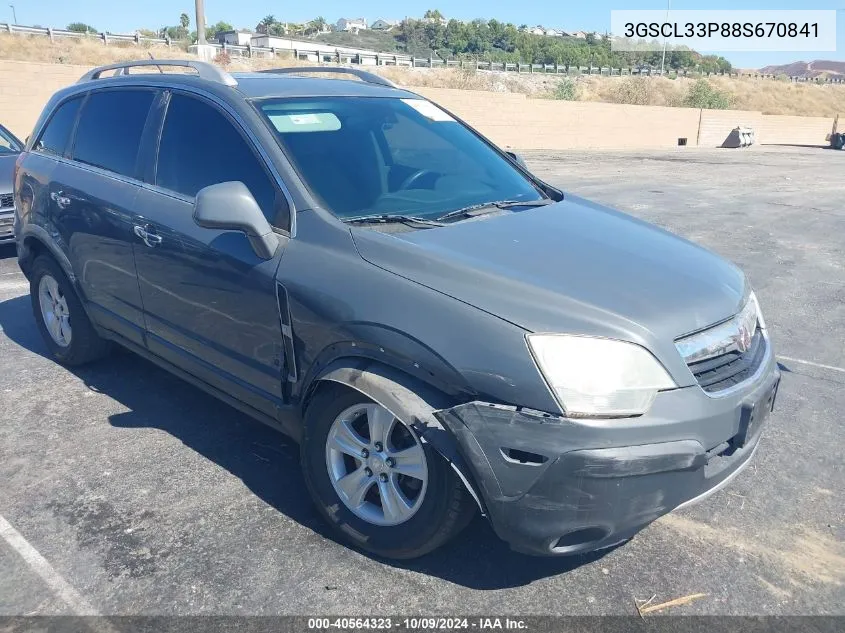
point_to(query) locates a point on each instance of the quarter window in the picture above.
(110, 129)
(56, 135)
(200, 146)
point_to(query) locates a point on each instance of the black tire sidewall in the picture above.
(419, 534)
(82, 334)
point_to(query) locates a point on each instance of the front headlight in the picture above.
(597, 377)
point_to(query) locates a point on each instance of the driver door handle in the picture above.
(148, 235)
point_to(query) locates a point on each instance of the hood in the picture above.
(7, 169)
(573, 266)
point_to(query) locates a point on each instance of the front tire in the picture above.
(61, 319)
(375, 482)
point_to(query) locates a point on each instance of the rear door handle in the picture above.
(148, 235)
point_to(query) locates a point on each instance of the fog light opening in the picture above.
(515, 455)
(577, 539)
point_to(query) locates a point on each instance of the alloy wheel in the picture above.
(54, 310)
(376, 464)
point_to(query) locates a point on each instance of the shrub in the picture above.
(222, 59)
(566, 90)
(703, 95)
(633, 91)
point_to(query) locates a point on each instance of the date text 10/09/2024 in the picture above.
(417, 624)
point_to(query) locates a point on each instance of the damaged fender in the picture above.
(411, 401)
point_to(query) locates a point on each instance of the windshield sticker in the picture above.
(305, 122)
(428, 109)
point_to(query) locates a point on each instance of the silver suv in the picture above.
(10, 148)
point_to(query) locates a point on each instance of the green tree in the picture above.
(81, 27)
(499, 41)
(184, 21)
(266, 22)
(703, 95)
(212, 30)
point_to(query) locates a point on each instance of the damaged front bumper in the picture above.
(552, 485)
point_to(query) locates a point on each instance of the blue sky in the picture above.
(127, 15)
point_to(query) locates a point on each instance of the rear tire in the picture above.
(61, 319)
(444, 509)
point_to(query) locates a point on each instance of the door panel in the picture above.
(210, 302)
(93, 213)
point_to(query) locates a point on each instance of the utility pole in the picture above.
(200, 4)
(663, 60)
(14, 14)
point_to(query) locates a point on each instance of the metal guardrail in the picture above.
(341, 56)
(54, 33)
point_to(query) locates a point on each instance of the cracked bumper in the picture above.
(554, 486)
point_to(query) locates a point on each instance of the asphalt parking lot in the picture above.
(145, 496)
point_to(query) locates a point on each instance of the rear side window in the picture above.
(200, 146)
(110, 129)
(56, 135)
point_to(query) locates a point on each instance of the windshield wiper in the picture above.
(483, 208)
(390, 218)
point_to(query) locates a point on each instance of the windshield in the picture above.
(365, 156)
(8, 143)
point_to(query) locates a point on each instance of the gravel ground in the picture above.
(148, 497)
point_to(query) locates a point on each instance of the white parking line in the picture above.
(14, 285)
(45, 571)
(812, 364)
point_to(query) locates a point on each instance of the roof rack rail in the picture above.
(370, 78)
(204, 69)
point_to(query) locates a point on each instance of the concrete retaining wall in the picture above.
(716, 125)
(26, 86)
(510, 120)
(794, 130)
(514, 121)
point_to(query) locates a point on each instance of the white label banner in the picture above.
(716, 31)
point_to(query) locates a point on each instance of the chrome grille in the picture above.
(731, 368)
(7, 200)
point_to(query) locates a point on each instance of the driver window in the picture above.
(201, 146)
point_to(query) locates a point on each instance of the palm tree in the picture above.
(316, 25)
(266, 23)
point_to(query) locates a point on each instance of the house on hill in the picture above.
(352, 25)
(535, 30)
(384, 25)
(240, 37)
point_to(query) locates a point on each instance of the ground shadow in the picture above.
(7, 251)
(262, 458)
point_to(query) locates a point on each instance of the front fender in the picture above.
(411, 401)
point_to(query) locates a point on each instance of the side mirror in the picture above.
(517, 159)
(230, 206)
